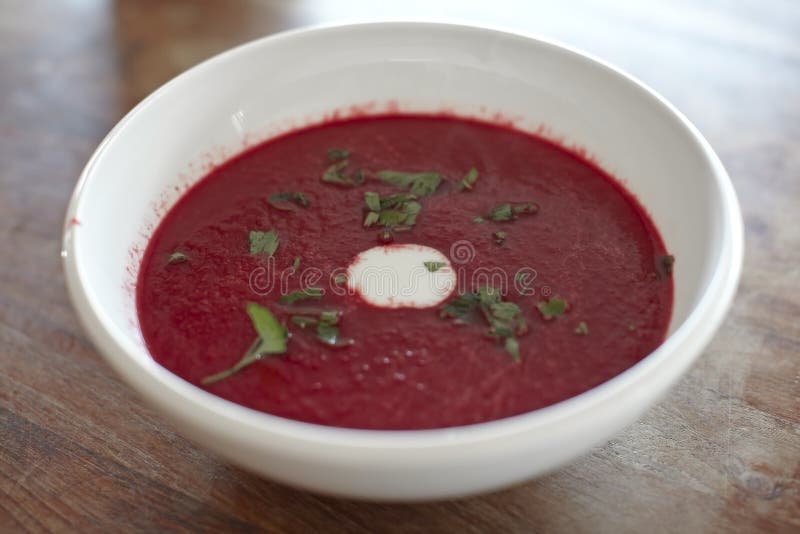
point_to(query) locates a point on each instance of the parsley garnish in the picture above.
(263, 242)
(434, 266)
(500, 238)
(582, 329)
(504, 318)
(177, 257)
(373, 200)
(271, 339)
(295, 264)
(286, 201)
(334, 175)
(468, 180)
(508, 211)
(391, 211)
(554, 307)
(419, 183)
(315, 293)
(326, 327)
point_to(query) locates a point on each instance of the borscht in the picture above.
(404, 272)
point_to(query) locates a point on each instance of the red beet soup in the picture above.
(243, 289)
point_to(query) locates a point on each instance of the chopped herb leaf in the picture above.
(512, 347)
(411, 209)
(315, 293)
(371, 218)
(329, 316)
(396, 200)
(177, 257)
(504, 318)
(271, 339)
(501, 212)
(582, 329)
(325, 322)
(296, 264)
(391, 210)
(434, 266)
(340, 279)
(478, 220)
(304, 320)
(272, 334)
(500, 238)
(328, 333)
(286, 201)
(338, 154)
(263, 242)
(333, 175)
(508, 211)
(552, 308)
(391, 217)
(373, 200)
(459, 307)
(419, 183)
(469, 180)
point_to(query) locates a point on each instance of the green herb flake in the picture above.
(286, 201)
(500, 238)
(373, 200)
(396, 200)
(263, 242)
(177, 257)
(504, 318)
(304, 320)
(340, 279)
(391, 217)
(468, 181)
(512, 347)
(296, 264)
(433, 266)
(334, 175)
(582, 329)
(308, 293)
(411, 209)
(501, 212)
(478, 220)
(552, 308)
(420, 183)
(459, 307)
(338, 154)
(371, 218)
(328, 332)
(272, 338)
(508, 211)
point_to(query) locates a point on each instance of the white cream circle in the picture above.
(396, 276)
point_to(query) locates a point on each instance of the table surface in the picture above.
(79, 450)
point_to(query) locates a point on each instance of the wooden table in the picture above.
(79, 451)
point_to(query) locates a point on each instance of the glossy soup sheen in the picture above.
(590, 244)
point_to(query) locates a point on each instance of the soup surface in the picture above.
(562, 281)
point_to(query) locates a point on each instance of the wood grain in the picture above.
(79, 452)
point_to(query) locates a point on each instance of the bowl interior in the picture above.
(272, 86)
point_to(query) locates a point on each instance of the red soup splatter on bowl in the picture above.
(404, 272)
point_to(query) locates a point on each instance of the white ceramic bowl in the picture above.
(271, 85)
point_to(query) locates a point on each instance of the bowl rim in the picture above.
(695, 331)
